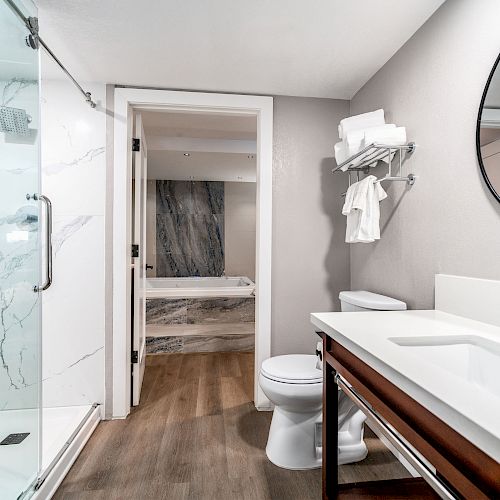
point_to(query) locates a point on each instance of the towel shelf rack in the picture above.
(362, 160)
(369, 156)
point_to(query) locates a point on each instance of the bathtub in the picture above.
(182, 288)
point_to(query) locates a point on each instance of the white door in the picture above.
(139, 262)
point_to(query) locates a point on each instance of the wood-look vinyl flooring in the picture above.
(197, 435)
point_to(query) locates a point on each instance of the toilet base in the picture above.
(291, 444)
(351, 453)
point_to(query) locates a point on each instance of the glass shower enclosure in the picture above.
(51, 368)
(20, 257)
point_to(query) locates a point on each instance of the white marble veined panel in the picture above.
(73, 314)
(19, 265)
(73, 149)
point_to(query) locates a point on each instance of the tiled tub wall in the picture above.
(189, 228)
(200, 324)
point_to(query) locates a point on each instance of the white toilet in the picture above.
(295, 386)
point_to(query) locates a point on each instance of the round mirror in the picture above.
(488, 132)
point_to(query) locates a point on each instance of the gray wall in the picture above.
(310, 261)
(448, 222)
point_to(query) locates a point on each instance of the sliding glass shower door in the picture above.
(19, 255)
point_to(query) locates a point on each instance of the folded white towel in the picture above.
(392, 136)
(355, 139)
(363, 211)
(395, 136)
(365, 120)
(341, 154)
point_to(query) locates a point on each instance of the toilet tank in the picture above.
(361, 300)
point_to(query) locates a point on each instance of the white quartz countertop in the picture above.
(471, 410)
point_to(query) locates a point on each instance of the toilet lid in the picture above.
(292, 369)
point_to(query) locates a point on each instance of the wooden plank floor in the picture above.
(197, 435)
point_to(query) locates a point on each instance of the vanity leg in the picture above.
(330, 428)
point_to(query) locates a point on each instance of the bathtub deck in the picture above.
(196, 435)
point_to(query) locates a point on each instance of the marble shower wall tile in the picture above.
(19, 264)
(189, 228)
(73, 149)
(74, 178)
(73, 312)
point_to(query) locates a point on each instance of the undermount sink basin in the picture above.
(470, 357)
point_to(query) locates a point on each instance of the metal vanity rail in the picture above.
(420, 466)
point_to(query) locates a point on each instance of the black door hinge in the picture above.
(135, 250)
(135, 357)
(136, 144)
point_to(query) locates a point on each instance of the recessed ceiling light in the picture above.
(187, 154)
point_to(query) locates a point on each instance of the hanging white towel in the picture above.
(365, 120)
(363, 211)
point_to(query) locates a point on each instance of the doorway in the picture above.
(151, 105)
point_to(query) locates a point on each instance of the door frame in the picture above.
(126, 101)
(140, 175)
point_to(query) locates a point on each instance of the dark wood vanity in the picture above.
(461, 469)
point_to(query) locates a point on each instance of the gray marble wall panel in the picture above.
(200, 311)
(207, 197)
(189, 228)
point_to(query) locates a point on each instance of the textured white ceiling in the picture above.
(317, 48)
(201, 125)
(221, 147)
(201, 166)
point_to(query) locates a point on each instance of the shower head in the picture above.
(14, 120)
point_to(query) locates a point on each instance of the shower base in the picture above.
(58, 424)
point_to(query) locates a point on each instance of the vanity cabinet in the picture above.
(459, 469)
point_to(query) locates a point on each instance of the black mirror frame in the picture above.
(478, 133)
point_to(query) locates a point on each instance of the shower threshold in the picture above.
(59, 425)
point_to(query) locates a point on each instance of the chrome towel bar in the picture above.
(364, 160)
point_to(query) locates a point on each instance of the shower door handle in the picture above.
(48, 241)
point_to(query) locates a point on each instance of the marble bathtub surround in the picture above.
(200, 310)
(202, 329)
(166, 311)
(200, 343)
(189, 228)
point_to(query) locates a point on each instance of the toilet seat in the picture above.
(292, 369)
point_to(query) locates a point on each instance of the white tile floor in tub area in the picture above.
(57, 426)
